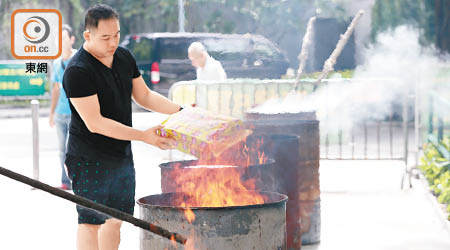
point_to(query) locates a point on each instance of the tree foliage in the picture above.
(388, 14)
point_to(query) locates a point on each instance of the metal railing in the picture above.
(367, 140)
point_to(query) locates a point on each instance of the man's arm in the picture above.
(54, 102)
(55, 81)
(152, 100)
(89, 110)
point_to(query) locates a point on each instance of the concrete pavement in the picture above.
(362, 206)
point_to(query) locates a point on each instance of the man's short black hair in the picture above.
(99, 12)
(69, 29)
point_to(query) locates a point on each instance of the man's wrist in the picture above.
(139, 135)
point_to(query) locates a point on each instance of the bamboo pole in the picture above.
(331, 61)
(303, 56)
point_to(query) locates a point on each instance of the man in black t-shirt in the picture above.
(100, 81)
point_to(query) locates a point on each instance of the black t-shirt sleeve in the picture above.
(136, 72)
(77, 82)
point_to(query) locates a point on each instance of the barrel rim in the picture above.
(282, 198)
(171, 164)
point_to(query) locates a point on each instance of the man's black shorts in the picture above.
(110, 186)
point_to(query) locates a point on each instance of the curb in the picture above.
(436, 205)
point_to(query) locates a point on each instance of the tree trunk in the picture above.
(70, 11)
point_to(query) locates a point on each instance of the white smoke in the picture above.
(394, 67)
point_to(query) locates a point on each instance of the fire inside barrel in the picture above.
(217, 187)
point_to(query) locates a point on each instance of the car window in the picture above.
(142, 48)
(174, 48)
(227, 48)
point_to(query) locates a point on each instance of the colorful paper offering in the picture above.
(202, 133)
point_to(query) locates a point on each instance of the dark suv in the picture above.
(242, 56)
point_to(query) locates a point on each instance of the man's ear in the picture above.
(86, 35)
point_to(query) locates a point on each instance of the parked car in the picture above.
(163, 59)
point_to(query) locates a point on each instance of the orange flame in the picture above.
(241, 154)
(216, 186)
(190, 216)
(173, 242)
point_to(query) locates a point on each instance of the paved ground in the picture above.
(364, 208)
(362, 204)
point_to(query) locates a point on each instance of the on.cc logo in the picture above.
(36, 29)
(36, 34)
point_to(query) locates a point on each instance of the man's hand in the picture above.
(51, 120)
(151, 137)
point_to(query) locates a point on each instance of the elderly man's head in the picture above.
(197, 54)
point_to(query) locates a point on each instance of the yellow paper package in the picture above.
(202, 133)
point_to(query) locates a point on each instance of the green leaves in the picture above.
(435, 165)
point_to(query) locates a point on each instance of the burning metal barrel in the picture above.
(297, 159)
(259, 226)
(253, 177)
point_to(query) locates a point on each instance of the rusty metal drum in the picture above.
(293, 141)
(261, 226)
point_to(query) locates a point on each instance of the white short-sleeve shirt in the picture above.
(213, 71)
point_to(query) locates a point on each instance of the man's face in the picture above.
(104, 39)
(198, 60)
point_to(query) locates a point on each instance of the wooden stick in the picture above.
(331, 61)
(90, 204)
(303, 56)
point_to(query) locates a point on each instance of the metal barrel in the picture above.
(259, 227)
(293, 141)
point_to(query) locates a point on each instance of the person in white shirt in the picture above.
(208, 69)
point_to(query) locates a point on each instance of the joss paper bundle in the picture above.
(202, 133)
